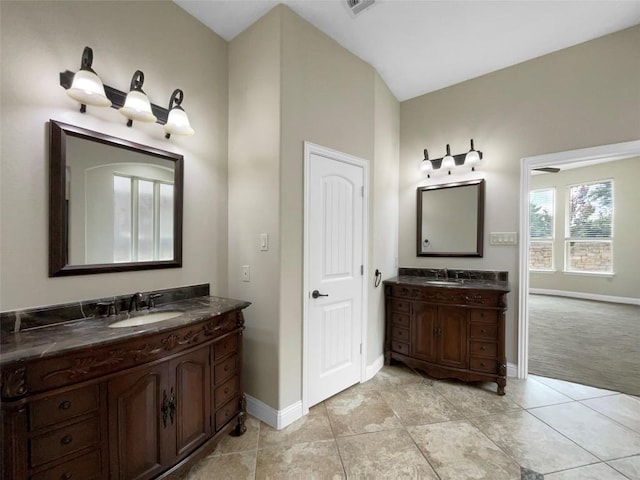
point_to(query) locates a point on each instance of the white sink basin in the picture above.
(443, 282)
(146, 319)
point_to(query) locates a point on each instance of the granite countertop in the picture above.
(92, 332)
(475, 283)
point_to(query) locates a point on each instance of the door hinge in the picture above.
(210, 421)
(361, 269)
(362, 191)
(360, 349)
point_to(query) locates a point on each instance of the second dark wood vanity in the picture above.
(139, 407)
(447, 328)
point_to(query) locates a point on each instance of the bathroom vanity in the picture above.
(449, 324)
(81, 400)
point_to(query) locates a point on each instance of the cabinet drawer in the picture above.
(226, 413)
(484, 330)
(400, 347)
(53, 445)
(63, 406)
(483, 365)
(86, 467)
(400, 334)
(224, 370)
(400, 320)
(401, 306)
(225, 391)
(487, 349)
(225, 347)
(484, 316)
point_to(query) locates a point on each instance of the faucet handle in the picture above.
(111, 307)
(151, 299)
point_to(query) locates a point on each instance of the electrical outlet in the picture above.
(246, 273)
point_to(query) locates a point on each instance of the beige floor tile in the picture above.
(234, 466)
(572, 390)
(624, 409)
(629, 466)
(420, 404)
(473, 400)
(316, 460)
(310, 428)
(459, 451)
(389, 454)
(393, 376)
(532, 443)
(591, 430)
(243, 443)
(530, 393)
(361, 412)
(599, 471)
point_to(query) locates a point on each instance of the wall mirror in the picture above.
(451, 219)
(114, 205)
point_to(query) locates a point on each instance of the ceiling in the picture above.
(419, 46)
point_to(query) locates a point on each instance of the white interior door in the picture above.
(334, 271)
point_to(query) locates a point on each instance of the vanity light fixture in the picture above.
(137, 105)
(88, 89)
(177, 121)
(450, 162)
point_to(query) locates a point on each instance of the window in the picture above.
(588, 238)
(541, 208)
(143, 219)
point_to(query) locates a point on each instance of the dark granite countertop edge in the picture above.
(95, 332)
(477, 284)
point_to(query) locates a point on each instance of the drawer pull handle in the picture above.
(67, 476)
(226, 368)
(226, 390)
(66, 440)
(66, 405)
(483, 330)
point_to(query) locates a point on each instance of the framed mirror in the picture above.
(114, 205)
(451, 219)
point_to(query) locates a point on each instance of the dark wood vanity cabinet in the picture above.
(136, 409)
(448, 332)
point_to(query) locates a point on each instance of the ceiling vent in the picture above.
(359, 6)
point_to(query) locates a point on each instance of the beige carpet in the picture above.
(587, 342)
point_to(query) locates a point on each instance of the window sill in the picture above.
(546, 271)
(590, 274)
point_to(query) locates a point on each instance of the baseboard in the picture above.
(277, 419)
(374, 368)
(585, 296)
(512, 369)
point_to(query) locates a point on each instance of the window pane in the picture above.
(121, 219)
(166, 222)
(590, 256)
(145, 221)
(541, 255)
(541, 206)
(591, 210)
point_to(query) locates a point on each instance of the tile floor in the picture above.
(404, 425)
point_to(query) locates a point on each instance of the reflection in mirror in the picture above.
(115, 205)
(450, 219)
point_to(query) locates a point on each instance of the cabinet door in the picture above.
(422, 332)
(452, 335)
(137, 434)
(192, 380)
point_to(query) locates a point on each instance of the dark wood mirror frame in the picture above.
(480, 219)
(58, 234)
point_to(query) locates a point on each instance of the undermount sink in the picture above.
(443, 282)
(146, 319)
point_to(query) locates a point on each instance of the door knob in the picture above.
(316, 294)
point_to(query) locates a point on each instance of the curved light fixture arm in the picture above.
(137, 81)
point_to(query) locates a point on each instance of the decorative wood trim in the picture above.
(14, 382)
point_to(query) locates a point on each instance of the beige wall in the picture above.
(41, 39)
(326, 96)
(626, 197)
(579, 97)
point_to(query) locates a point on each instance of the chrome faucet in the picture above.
(151, 299)
(134, 303)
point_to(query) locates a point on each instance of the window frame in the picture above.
(550, 239)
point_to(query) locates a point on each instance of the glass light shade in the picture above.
(426, 166)
(448, 163)
(178, 123)
(87, 88)
(472, 158)
(137, 107)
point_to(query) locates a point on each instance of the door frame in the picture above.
(309, 149)
(624, 149)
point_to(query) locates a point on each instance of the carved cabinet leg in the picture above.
(502, 382)
(242, 416)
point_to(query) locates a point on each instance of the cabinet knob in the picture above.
(66, 405)
(482, 348)
(226, 390)
(66, 440)
(226, 368)
(67, 476)
(483, 330)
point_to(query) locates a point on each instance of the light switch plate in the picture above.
(246, 273)
(503, 238)
(264, 242)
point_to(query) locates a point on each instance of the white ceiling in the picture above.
(418, 46)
